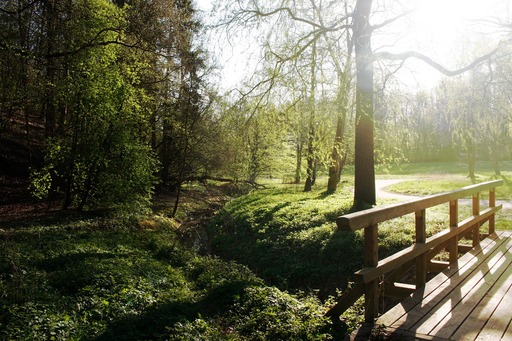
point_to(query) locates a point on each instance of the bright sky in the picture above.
(453, 32)
(449, 31)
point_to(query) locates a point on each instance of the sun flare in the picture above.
(449, 16)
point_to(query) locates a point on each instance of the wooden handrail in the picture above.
(390, 263)
(368, 280)
(359, 220)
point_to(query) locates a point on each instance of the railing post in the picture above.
(492, 203)
(476, 212)
(371, 259)
(476, 204)
(421, 237)
(454, 222)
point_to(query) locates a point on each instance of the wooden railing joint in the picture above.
(422, 251)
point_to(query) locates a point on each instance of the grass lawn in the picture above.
(277, 261)
(428, 179)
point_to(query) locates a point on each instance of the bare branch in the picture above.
(20, 10)
(413, 54)
(296, 18)
(392, 20)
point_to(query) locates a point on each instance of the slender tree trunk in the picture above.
(310, 161)
(495, 158)
(311, 138)
(298, 164)
(177, 201)
(364, 182)
(471, 163)
(336, 159)
(497, 170)
(153, 132)
(315, 169)
(165, 153)
(50, 109)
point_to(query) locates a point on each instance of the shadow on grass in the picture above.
(157, 322)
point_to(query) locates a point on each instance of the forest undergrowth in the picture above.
(234, 264)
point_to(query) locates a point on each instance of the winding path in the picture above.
(380, 184)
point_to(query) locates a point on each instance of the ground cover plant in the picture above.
(276, 262)
(290, 239)
(104, 279)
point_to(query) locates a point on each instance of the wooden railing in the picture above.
(379, 276)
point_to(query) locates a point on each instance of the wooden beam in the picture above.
(492, 203)
(437, 265)
(371, 246)
(421, 237)
(371, 301)
(476, 203)
(399, 290)
(394, 261)
(371, 259)
(359, 220)
(346, 300)
(453, 248)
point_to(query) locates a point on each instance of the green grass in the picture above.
(280, 260)
(422, 180)
(432, 185)
(110, 279)
(289, 238)
(286, 235)
(440, 168)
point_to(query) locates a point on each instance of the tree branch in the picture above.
(413, 54)
(390, 21)
(18, 11)
(259, 13)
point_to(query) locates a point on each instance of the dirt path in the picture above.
(380, 184)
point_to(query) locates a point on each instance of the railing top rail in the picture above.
(358, 220)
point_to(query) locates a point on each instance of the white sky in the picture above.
(445, 30)
(452, 32)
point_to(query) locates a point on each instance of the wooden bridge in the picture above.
(470, 298)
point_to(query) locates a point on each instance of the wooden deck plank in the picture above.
(508, 332)
(412, 309)
(497, 324)
(457, 303)
(396, 314)
(460, 301)
(484, 283)
(470, 328)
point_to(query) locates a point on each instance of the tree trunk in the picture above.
(471, 163)
(364, 182)
(497, 170)
(310, 161)
(336, 160)
(311, 139)
(50, 109)
(315, 169)
(298, 165)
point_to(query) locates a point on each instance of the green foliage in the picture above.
(266, 313)
(109, 279)
(289, 237)
(102, 162)
(262, 313)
